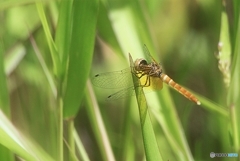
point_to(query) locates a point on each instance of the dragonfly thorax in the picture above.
(156, 69)
(152, 69)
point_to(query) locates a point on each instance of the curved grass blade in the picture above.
(18, 143)
(149, 140)
(51, 43)
(4, 98)
(105, 29)
(44, 67)
(97, 124)
(211, 106)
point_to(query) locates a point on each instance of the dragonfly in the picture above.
(150, 77)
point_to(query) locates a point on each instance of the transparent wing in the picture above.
(148, 55)
(126, 92)
(156, 84)
(117, 79)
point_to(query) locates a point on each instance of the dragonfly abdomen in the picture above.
(165, 78)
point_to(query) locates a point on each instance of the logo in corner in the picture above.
(212, 155)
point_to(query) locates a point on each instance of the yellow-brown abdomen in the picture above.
(165, 78)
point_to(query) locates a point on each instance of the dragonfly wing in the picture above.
(117, 79)
(148, 55)
(126, 92)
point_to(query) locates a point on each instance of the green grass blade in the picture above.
(211, 106)
(97, 124)
(234, 92)
(236, 10)
(81, 51)
(8, 4)
(51, 43)
(13, 58)
(4, 102)
(44, 67)
(62, 40)
(63, 32)
(79, 144)
(18, 143)
(234, 95)
(105, 29)
(4, 97)
(149, 140)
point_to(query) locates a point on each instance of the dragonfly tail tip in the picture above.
(198, 103)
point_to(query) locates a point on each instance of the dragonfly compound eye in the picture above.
(143, 62)
(138, 63)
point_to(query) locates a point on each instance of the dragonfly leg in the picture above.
(139, 74)
(147, 82)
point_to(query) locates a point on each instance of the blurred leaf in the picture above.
(14, 58)
(8, 4)
(224, 47)
(79, 144)
(105, 29)
(211, 106)
(44, 67)
(51, 43)
(233, 94)
(4, 103)
(63, 33)
(19, 144)
(236, 11)
(97, 124)
(4, 96)
(235, 86)
(84, 22)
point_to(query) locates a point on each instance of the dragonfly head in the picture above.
(139, 64)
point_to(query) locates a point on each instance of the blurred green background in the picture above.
(50, 50)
